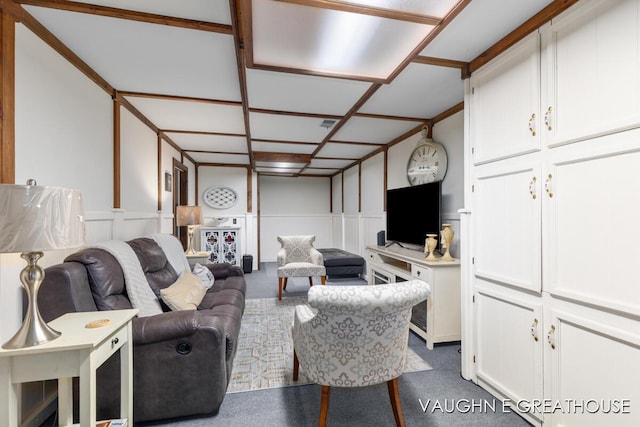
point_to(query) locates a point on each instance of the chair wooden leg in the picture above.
(296, 366)
(285, 283)
(323, 279)
(279, 288)
(394, 396)
(324, 406)
(310, 281)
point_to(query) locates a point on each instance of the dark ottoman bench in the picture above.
(342, 263)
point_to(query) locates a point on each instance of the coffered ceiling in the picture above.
(296, 87)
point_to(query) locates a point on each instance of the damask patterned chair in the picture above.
(355, 336)
(298, 258)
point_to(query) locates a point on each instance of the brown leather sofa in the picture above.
(182, 360)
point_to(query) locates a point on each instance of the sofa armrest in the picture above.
(170, 326)
(224, 270)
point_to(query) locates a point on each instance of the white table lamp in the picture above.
(34, 219)
(189, 216)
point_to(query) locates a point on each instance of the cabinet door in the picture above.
(592, 62)
(509, 346)
(592, 363)
(210, 242)
(506, 222)
(590, 227)
(229, 246)
(504, 103)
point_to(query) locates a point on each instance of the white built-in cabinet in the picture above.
(554, 139)
(221, 243)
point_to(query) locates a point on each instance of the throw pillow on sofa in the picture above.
(204, 274)
(185, 294)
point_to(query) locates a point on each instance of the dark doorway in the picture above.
(180, 197)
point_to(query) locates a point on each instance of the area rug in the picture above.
(265, 357)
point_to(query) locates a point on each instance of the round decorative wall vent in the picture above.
(220, 197)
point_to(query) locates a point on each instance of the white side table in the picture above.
(78, 352)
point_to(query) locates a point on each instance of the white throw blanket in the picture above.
(172, 248)
(140, 293)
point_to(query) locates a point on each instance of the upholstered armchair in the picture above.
(298, 258)
(355, 336)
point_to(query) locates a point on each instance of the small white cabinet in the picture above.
(222, 244)
(438, 318)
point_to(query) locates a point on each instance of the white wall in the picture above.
(293, 206)
(139, 163)
(64, 137)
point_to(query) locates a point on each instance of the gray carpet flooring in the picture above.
(439, 397)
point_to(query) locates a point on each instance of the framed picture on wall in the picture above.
(167, 182)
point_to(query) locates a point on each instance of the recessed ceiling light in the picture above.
(327, 123)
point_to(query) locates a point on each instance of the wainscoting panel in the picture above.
(352, 233)
(370, 225)
(272, 226)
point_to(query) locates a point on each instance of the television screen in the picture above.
(412, 212)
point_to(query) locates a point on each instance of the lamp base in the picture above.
(34, 331)
(190, 250)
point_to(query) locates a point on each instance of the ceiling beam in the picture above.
(440, 62)
(267, 156)
(131, 15)
(7, 99)
(379, 12)
(236, 19)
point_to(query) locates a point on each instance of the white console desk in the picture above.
(78, 352)
(437, 319)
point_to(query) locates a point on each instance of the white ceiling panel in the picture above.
(199, 10)
(479, 26)
(292, 47)
(199, 142)
(350, 151)
(420, 91)
(278, 170)
(315, 171)
(278, 147)
(286, 128)
(329, 163)
(232, 159)
(303, 93)
(195, 116)
(142, 57)
(377, 131)
(308, 38)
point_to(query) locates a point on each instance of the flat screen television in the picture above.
(412, 212)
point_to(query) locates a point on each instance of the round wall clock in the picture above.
(220, 197)
(427, 163)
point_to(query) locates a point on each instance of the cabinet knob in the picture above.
(115, 341)
(547, 185)
(532, 124)
(551, 337)
(547, 118)
(534, 330)
(532, 187)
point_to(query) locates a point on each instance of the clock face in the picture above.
(427, 163)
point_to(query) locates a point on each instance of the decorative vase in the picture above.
(447, 236)
(430, 246)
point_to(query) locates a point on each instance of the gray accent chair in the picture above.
(355, 336)
(298, 258)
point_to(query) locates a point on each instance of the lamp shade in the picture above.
(39, 218)
(188, 215)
